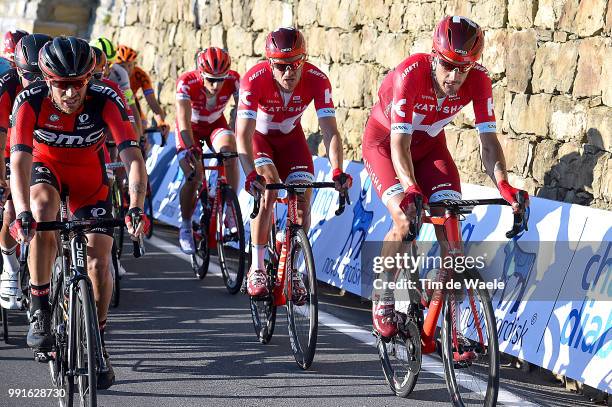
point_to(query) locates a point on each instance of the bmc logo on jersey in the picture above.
(105, 90)
(68, 140)
(27, 93)
(5, 78)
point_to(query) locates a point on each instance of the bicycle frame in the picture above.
(216, 204)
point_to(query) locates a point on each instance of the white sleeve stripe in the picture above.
(182, 96)
(247, 114)
(405, 128)
(326, 112)
(486, 127)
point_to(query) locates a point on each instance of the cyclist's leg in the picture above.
(194, 177)
(224, 140)
(297, 167)
(260, 226)
(10, 289)
(44, 200)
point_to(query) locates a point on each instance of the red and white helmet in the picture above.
(285, 43)
(213, 62)
(11, 38)
(458, 40)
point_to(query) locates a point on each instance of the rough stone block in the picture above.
(391, 49)
(71, 13)
(267, 15)
(348, 81)
(519, 58)
(568, 119)
(567, 15)
(544, 159)
(606, 77)
(545, 16)
(554, 67)
(339, 14)
(521, 13)
(54, 29)
(590, 17)
(490, 13)
(530, 115)
(307, 12)
(516, 152)
(590, 62)
(599, 127)
(494, 54)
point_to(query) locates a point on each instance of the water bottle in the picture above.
(280, 239)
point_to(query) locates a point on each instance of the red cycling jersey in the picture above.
(278, 113)
(67, 148)
(206, 112)
(10, 86)
(408, 105)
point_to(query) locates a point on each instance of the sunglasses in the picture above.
(214, 80)
(30, 76)
(447, 66)
(98, 75)
(75, 84)
(282, 67)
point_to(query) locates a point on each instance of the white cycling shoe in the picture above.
(186, 240)
(10, 290)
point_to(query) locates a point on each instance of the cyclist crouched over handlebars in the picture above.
(57, 132)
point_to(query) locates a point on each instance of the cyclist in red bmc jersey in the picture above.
(273, 96)
(11, 83)
(11, 38)
(201, 98)
(57, 132)
(404, 146)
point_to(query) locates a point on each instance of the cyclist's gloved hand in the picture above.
(5, 190)
(407, 205)
(509, 193)
(343, 180)
(136, 217)
(254, 183)
(18, 227)
(165, 129)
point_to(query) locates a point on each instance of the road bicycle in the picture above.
(118, 209)
(294, 256)
(75, 358)
(221, 225)
(468, 341)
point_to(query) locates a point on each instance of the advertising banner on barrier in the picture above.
(555, 309)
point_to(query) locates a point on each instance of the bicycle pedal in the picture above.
(42, 357)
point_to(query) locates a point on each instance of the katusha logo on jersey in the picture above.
(67, 140)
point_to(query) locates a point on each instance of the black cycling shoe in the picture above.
(39, 334)
(106, 378)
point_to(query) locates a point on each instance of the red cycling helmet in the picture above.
(458, 40)
(285, 43)
(213, 62)
(11, 38)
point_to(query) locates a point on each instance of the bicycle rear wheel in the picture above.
(470, 351)
(230, 240)
(4, 318)
(302, 319)
(118, 212)
(149, 206)
(86, 369)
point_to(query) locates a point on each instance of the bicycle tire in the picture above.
(118, 212)
(263, 310)
(58, 366)
(303, 348)
(230, 200)
(149, 205)
(4, 317)
(116, 296)
(200, 260)
(478, 374)
(86, 357)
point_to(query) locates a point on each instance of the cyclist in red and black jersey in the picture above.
(11, 38)
(11, 83)
(404, 146)
(57, 132)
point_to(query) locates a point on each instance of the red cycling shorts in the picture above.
(205, 133)
(87, 187)
(434, 167)
(289, 153)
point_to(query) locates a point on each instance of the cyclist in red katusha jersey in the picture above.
(201, 97)
(404, 146)
(273, 96)
(57, 133)
(11, 38)
(12, 82)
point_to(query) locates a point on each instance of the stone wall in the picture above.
(550, 61)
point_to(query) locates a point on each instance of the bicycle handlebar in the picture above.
(343, 199)
(151, 130)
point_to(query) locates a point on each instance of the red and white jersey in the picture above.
(408, 105)
(190, 86)
(278, 113)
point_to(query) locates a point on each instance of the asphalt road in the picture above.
(178, 341)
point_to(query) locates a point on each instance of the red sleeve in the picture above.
(404, 92)
(483, 101)
(249, 94)
(5, 110)
(23, 120)
(119, 125)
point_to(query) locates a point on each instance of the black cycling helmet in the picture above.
(27, 50)
(66, 58)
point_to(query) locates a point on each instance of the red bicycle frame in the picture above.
(216, 204)
(278, 293)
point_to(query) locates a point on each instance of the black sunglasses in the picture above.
(31, 76)
(98, 75)
(214, 80)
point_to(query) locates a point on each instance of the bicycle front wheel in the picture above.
(230, 241)
(302, 314)
(86, 374)
(470, 350)
(118, 212)
(116, 296)
(4, 318)
(149, 205)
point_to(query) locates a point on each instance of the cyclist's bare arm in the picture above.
(245, 128)
(183, 117)
(160, 115)
(137, 119)
(232, 121)
(492, 157)
(21, 167)
(137, 178)
(402, 159)
(332, 140)
(2, 160)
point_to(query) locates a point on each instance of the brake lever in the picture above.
(256, 202)
(342, 203)
(521, 218)
(413, 230)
